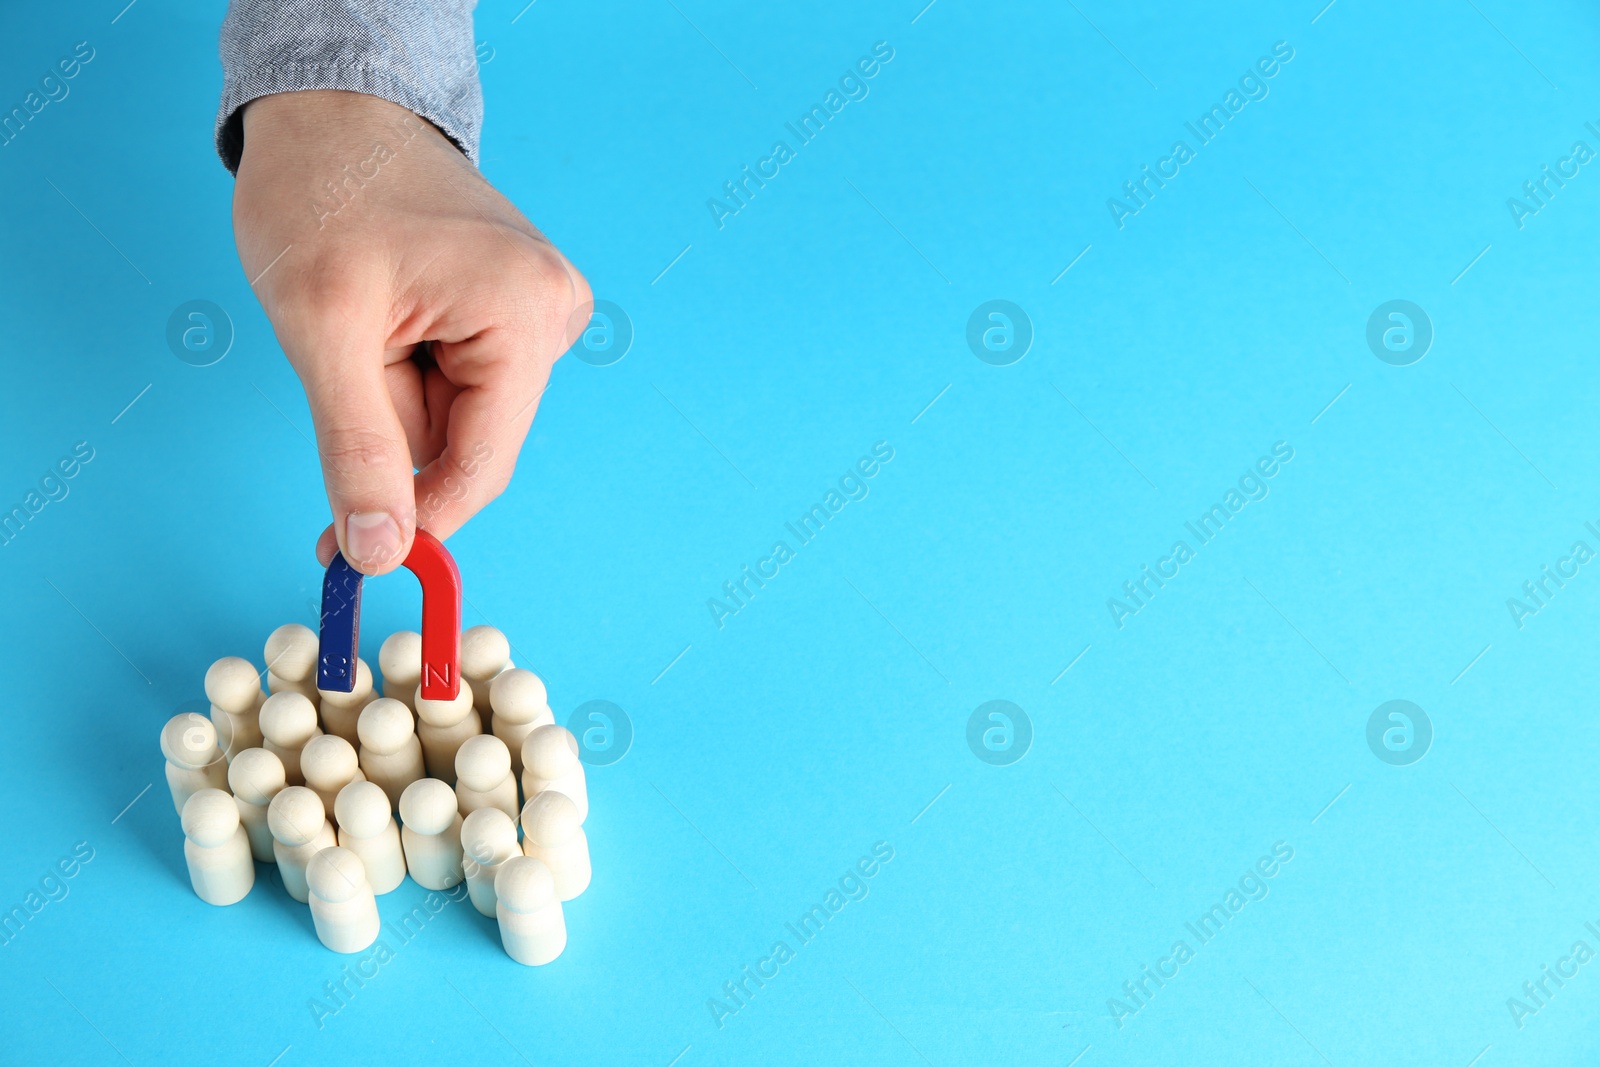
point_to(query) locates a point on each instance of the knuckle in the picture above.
(582, 296)
(487, 481)
(326, 297)
(540, 290)
(498, 478)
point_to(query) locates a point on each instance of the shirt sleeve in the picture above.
(415, 53)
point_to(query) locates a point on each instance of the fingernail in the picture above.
(373, 538)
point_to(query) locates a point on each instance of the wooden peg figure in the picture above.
(521, 706)
(488, 839)
(343, 908)
(194, 761)
(431, 834)
(552, 832)
(442, 727)
(367, 828)
(300, 830)
(532, 926)
(390, 753)
(288, 721)
(550, 761)
(483, 776)
(256, 776)
(216, 848)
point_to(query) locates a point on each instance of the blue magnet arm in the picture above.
(341, 625)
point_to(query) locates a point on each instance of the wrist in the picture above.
(322, 115)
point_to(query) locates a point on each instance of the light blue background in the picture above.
(827, 714)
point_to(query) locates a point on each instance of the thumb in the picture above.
(366, 461)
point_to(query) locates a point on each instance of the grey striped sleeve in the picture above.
(417, 53)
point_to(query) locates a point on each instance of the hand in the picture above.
(420, 309)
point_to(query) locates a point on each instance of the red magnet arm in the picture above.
(441, 616)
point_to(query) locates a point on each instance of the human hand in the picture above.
(366, 233)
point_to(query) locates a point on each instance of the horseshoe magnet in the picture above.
(441, 621)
